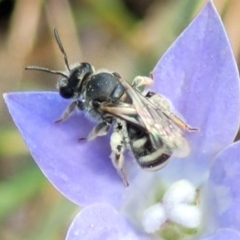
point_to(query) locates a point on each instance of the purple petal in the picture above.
(102, 222)
(224, 234)
(224, 188)
(199, 75)
(81, 171)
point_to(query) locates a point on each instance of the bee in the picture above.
(143, 123)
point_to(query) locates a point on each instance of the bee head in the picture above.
(70, 82)
(70, 85)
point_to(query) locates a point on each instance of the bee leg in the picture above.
(140, 81)
(76, 104)
(162, 102)
(100, 129)
(182, 124)
(118, 147)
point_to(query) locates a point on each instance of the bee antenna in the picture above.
(56, 35)
(43, 69)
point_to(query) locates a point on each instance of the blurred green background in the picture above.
(127, 36)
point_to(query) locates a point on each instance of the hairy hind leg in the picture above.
(118, 147)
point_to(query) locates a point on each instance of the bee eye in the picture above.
(66, 92)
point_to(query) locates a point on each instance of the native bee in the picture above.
(141, 122)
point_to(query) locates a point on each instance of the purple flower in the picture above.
(199, 75)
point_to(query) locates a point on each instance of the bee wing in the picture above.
(150, 118)
(162, 126)
(124, 111)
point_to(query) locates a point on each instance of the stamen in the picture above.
(176, 207)
(153, 218)
(181, 191)
(186, 215)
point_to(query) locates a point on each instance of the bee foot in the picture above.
(58, 121)
(192, 129)
(124, 178)
(82, 139)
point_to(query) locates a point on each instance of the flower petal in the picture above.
(224, 234)
(102, 222)
(199, 75)
(224, 188)
(81, 171)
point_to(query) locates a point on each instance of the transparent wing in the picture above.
(153, 116)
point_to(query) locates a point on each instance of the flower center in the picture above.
(176, 215)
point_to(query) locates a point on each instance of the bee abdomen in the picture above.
(139, 143)
(153, 161)
(148, 158)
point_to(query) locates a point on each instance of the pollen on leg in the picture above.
(118, 146)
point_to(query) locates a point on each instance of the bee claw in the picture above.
(124, 178)
(58, 121)
(192, 129)
(82, 139)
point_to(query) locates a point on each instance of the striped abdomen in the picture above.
(147, 157)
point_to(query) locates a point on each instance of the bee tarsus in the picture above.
(71, 107)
